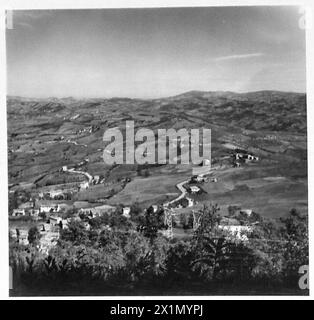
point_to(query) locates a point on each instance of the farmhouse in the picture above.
(55, 193)
(48, 206)
(126, 212)
(84, 185)
(54, 220)
(96, 179)
(89, 212)
(87, 225)
(197, 179)
(247, 212)
(206, 162)
(239, 232)
(194, 189)
(18, 212)
(246, 157)
(234, 229)
(104, 209)
(97, 211)
(34, 212)
(191, 202)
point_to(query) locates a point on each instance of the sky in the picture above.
(151, 53)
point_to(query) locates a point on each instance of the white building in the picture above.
(54, 220)
(87, 225)
(239, 232)
(18, 212)
(248, 212)
(206, 162)
(35, 212)
(191, 202)
(126, 212)
(49, 208)
(84, 185)
(96, 179)
(54, 193)
(97, 211)
(194, 189)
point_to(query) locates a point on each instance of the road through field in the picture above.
(183, 191)
(86, 174)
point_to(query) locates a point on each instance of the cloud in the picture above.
(25, 18)
(32, 14)
(239, 56)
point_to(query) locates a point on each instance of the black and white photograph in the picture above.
(157, 151)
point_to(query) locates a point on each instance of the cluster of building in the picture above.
(34, 208)
(193, 187)
(50, 228)
(241, 156)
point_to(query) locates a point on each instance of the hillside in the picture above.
(46, 134)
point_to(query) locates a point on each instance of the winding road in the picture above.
(183, 191)
(86, 174)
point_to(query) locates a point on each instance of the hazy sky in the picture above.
(155, 52)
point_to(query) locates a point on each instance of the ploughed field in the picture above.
(45, 135)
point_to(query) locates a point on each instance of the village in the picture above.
(48, 207)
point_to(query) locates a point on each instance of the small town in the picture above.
(50, 207)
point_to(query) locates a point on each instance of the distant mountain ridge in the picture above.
(184, 95)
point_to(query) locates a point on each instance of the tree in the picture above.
(186, 221)
(183, 220)
(13, 201)
(190, 220)
(151, 224)
(295, 243)
(69, 213)
(179, 258)
(135, 209)
(75, 232)
(232, 210)
(217, 257)
(33, 235)
(210, 246)
(119, 221)
(146, 173)
(98, 222)
(208, 221)
(43, 215)
(210, 256)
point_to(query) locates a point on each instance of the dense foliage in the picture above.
(113, 257)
